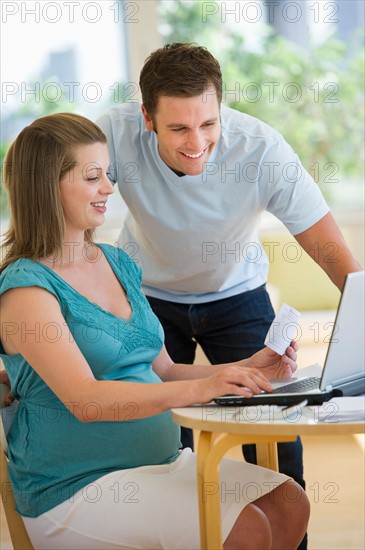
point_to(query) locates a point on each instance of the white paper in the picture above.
(283, 330)
(340, 409)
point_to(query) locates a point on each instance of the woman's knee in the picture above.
(251, 531)
(295, 500)
(288, 502)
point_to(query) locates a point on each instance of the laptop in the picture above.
(343, 372)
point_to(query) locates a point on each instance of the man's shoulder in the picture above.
(237, 122)
(122, 113)
(123, 126)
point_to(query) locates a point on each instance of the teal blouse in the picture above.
(51, 453)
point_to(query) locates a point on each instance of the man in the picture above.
(196, 177)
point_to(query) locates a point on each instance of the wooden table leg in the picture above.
(204, 445)
(210, 453)
(267, 455)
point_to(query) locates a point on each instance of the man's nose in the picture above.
(195, 141)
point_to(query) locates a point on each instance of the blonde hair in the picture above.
(36, 162)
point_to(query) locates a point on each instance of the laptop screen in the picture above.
(345, 355)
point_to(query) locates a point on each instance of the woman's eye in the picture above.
(93, 180)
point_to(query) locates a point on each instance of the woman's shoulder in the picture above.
(25, 272)
(22, 268)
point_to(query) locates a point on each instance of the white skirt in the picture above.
(148, 507)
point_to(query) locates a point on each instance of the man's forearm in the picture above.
(325, 244)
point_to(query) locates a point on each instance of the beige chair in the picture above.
(18, 533)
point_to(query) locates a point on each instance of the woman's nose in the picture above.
(107, 186)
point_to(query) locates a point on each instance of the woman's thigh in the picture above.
(148, 507)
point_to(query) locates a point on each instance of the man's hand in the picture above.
(273, 365)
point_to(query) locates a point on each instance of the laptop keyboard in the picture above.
(300, 386)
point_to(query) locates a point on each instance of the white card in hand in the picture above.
(283, 329)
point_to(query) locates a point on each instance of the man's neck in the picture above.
(180, 174)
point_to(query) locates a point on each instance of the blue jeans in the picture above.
(227, 330)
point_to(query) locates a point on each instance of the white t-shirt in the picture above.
(196, 237)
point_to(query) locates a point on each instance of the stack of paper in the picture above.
(340, 409)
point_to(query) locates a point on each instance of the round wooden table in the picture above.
(222, 428)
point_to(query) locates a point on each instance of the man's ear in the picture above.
(147, 119)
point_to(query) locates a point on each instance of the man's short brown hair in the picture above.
(178, 70)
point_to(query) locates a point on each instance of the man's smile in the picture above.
(196, 156)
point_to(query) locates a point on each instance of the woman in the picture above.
(85, 357)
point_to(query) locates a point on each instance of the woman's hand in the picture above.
(273, 365)
(231, 380)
